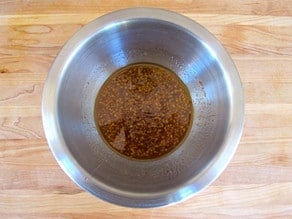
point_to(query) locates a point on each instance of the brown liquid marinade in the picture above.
(143, 111)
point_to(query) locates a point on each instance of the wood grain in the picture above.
(258, 181)
(272, 7)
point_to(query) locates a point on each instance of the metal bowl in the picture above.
(114, 41)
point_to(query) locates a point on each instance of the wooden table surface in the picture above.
(258, 181)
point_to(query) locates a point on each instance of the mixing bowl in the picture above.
(131, 36)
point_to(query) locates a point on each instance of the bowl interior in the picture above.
(155, 41)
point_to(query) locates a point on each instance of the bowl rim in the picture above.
(79, 175)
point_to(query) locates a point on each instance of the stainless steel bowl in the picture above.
(143, 35)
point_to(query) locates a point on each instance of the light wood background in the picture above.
(258, 181)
